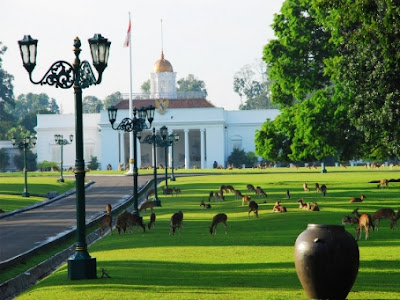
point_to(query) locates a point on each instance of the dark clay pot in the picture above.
(327, 260)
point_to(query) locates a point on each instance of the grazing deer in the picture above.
(167, 191)
(260, 192)
(106, 221)
(205, 206)
(305, 187)
(220, 218)
(253, 206)
(122, 221)
(152, 223)
(210, 195)
(350, 220)
(149, 193)
(323, 189)
(314, 207)
(365, 221)
(384, 213)
(147, 204)
(222, 188)
(230, 188)
(176, 222)
(219, 196)
(250, 188)
(136, 220)
(303, 205)
(278, 207)
(238, 194)
(362, 197)
(287, 194)
(317, 189)
(177, 191)
(383, 183)
(245, 198)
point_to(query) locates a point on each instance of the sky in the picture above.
(210, 39)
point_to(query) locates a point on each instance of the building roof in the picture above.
(172, 103)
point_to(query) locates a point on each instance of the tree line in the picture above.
(335, 75)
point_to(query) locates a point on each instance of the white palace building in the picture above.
(207, 134)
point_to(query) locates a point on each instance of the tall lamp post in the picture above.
(135, 125)
(59, 139)
(25, 143)
(173, 138)
(79, 75)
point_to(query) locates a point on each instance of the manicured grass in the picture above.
(255, 260)
(12, 186)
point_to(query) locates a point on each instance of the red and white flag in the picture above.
(128, 34)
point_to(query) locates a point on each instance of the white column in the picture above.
(187, 157)
(202, 148)
(170, 151)
(139, 153)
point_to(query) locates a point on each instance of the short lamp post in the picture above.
(135, 125)
(59, 139)
(173, 138)
(78, 75)
(25, 144)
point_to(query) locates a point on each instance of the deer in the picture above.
(121, 222)
(362, 197)
(253, 206)
(147, 204)
(303, 205)
(314, 207)
(323, 189)
(210, 195)
(365, 221)
(219, 196)
(205, 206)
(149, 193)
(350, 220)
(317, 189)
(238, 194)
(305, 187)
(245, 198)
(287, 194)
(219, 218)
(106, 221)
(176, 222)
(383, 183)
(167, 191)
(177, 191)
(384, 213)
(260, 192)
(250, 188)
(108, 209)
(278, 207)
(230, 188)
(152, 223)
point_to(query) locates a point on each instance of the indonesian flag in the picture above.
(128, 34)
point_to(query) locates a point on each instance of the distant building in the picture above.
(207, 133)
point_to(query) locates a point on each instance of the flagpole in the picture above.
(130, 100)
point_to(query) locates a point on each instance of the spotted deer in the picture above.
(250, 188)
(362, 197)
(147, 204)
(253, 206)
(219, 218)
(314, 207)
(278, 207)
(364, 222)
(323, 189)
(385, 213)
(305, 187)
(205, 206)
(238, 194)
(152, 223)
(106, 220)
(303, 205)
(245, 198)
(317, 189)
(383, 183)
(176, 222)
(260, 192)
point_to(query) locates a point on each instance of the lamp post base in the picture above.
(172, 178)
(82, 268)
(157, 202)
(60, 180)
(25, 194)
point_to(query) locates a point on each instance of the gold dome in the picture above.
(162, 65)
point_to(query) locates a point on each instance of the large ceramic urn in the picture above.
(327, 261)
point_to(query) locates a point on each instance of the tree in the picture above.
(145, 87)
(4, 159)
(30, 160)
(92, 105)
(191, 84)
(112, 99)
(33, 103)
(7, 101)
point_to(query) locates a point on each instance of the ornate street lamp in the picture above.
(59, 139)
(25, 144)
(165, 144)
(79, 75)
(135, 125)
(173, 138)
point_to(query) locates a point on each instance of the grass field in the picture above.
(255, 260)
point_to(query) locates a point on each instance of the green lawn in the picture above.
(255, 260)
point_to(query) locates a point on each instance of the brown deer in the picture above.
(287, 194)
(278, 207)
(314, 207)
(253, 206)
(305, 187)
(121, 222)
(350, 220)
(219, 196)
(220, 218)
(384, 213)
(108, 209)
(238, 194)
(177, 191)
(167, 191)
(362, 197)
(230, 188)
(205, 206)
(245, 198)
(147, 204)
(383, 183)
(136, 220)
(317, 189)
(176, 222)
(149, 193)
(260, 192)
(250, 188)
(106, 221)
(303, 205)
(365, 221)
(210, 195)
(152, 223)
(323, 189)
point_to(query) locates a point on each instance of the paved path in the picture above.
(21, 232)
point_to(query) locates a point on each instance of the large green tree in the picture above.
(112, 99)
(191, 84)
(92, 105)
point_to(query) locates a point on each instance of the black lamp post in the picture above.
(25, 143)
(173, 138)
(165, 144)
(59, 139)
(153, 139)
(135, 125)
(79, 75)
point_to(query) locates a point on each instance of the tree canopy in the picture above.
(191, 84)
(6, 96)
(92, 105)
